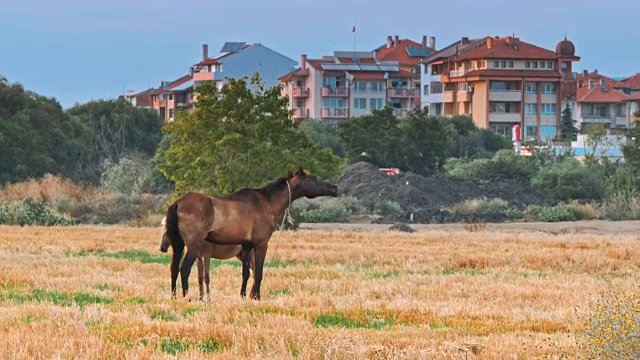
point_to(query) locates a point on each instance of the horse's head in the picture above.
(164, 242)
(311, 186)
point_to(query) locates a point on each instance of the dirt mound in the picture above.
(426, 196)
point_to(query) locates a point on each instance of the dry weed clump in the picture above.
(50, 189)
(327, 294)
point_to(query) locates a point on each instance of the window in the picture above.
(170, 96)
(502, 107)
(479, 64)
(534, 64)
(436, 88)
(548, 88)
(377, 86)
(597, 110)
(503, 86)
(496, 63)
(527, 64)
(530, 130)
(504, 130)
(542, 64)
(329, 81)
(549, 109)
(334, 103)
(376, 103)
(550, 65)
(360, 86)
(425, 90)
(531, 109)
(360, 103)
(503, 64)
(510, 64)
(602, 82)
(531, 88)
(622, 109)
(299, 103)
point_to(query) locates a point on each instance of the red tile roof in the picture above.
(296, 72)
(173, 84)
(399, 53)
(632, 82)
(502, 49)
(514, 73)
(596, 78)
(596, 95)
(214, 61)
(635, 96)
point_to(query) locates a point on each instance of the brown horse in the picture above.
(246, 217)
(208, 251)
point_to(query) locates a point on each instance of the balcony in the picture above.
(463, 96)
(300, 92)
(203, 76)
(456, 73)
(513, 117)
(340, 113)
(505, 95)
(403, 93)
(335, 91)
(300, 113)
(447, 97)
(401, 113)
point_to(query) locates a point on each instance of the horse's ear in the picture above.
(300, 171)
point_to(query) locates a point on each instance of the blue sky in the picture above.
(78, 50)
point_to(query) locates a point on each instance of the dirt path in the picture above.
(587, 227)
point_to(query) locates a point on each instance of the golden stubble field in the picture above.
(104, 292)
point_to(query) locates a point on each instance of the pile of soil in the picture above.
(426, 196)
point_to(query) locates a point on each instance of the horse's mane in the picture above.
(278, 183)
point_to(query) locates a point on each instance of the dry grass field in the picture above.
(104, 292)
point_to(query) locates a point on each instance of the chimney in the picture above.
(389, 41)
(432, 43)
(464, 41)
(424, 41)
(508, 39)
(303, 61)
(190, 70)
(397, 42)
(376, 53)
(489, 42)
(595, 71)
(585, 72)
(205, 51)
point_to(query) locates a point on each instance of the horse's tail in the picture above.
(172, 226)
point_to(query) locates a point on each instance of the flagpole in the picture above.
(354, 39)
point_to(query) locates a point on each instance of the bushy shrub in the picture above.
(479, 205)
(387, 207)
(622, 206)
(569, 179)
(624, 180)
(326, 214)
(504, 164)
(124, 176)
(325, 209)
(556, 213)
(31, 212)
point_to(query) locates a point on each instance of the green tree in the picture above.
(325, 136)
(568, 130)
(238, 136)
(38, 137)
(374, 138)
(631, 150)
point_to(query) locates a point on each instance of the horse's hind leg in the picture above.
(200, 276)
(247, 249)
(185, 270)
(207, 265)
(178, 249)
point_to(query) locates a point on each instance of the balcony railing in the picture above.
(400, 93)
(510, 117)
(505, 95)
(301, 113)
(300, 91)
(456, 73)
(335, 112)
(202, 76)
(335, 91)
(401, 113)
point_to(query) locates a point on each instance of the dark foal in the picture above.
(245, 218)
(209, 250)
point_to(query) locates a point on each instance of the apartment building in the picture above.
(502, 82)
(347, 84)
(235, 60)
(603, 100)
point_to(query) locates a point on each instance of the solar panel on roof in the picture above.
(389, 67)
(351, 67)
(232, 47)
(418, 52)
(370, 67)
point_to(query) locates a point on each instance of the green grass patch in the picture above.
(136, 300)
(211, 346)
(278, 292)
(105, 287)
(81, 299)
(174, 346)
(164, 316)
(337, 319)
(469, 272)
(132, 255)
(189, 310)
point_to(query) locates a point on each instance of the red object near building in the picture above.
(390, 171)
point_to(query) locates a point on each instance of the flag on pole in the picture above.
(354, 29)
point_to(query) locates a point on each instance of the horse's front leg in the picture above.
(247, 249)
(260, 251)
